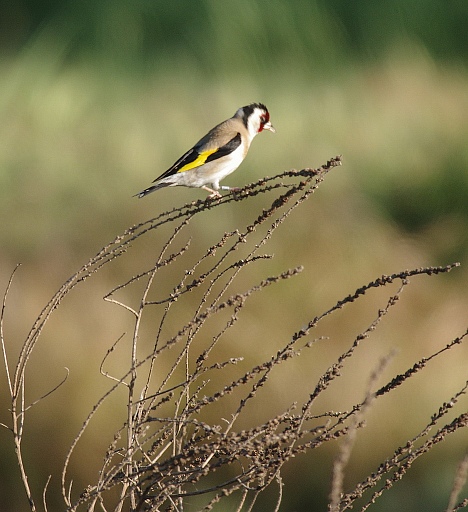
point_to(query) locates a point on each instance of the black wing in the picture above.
(193, 158)
(228, 148)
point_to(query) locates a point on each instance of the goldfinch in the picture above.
(217, 154)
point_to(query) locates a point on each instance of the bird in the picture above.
(217, 154)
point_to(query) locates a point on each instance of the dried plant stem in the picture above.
(460, 480)
(174, 445)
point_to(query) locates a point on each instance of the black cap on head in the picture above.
(247, 111)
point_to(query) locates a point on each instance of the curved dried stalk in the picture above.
(169, 449)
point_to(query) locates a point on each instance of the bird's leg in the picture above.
(213, 193)
(231, 189)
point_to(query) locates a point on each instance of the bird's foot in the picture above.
(214, 194)
(231, 189)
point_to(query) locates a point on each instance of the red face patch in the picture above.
(263, 121)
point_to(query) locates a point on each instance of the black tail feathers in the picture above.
(148, 190)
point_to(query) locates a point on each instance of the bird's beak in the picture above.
(269, 126)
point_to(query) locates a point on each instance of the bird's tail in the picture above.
(148, 190)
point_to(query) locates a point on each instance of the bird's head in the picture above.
(256, 118)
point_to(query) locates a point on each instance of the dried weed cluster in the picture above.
(169, 450)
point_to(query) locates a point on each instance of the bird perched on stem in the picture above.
(217, 154)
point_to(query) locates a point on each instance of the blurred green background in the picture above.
(98, 98)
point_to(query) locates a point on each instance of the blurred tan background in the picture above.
(98, 98)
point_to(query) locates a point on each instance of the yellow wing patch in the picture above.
(200, 160)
